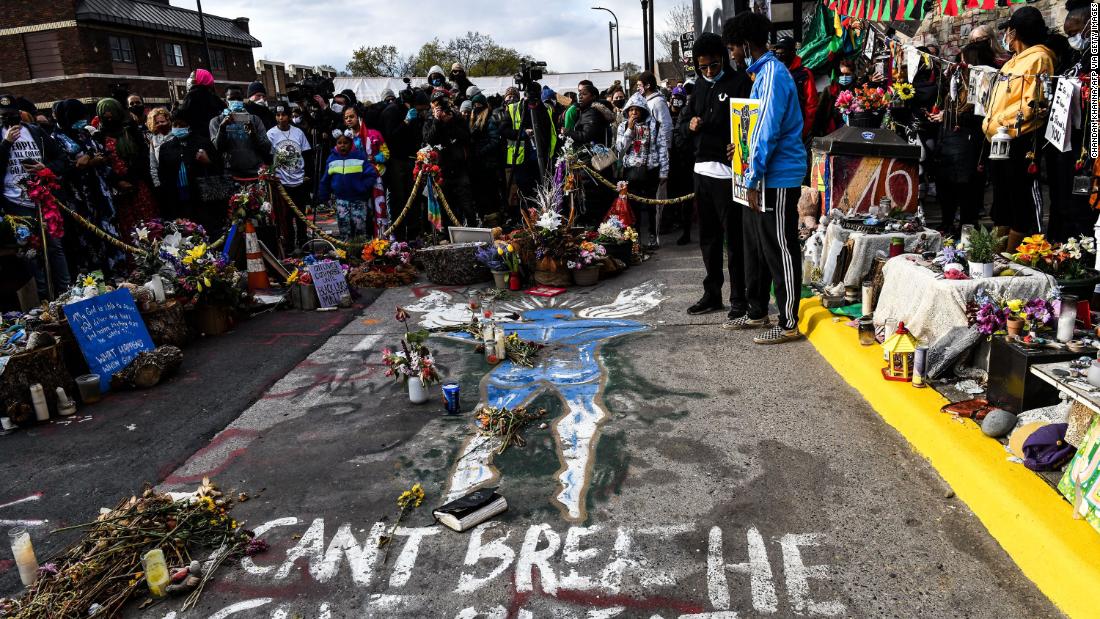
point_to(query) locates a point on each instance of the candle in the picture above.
(156, 572)
(23, 551)
(1067, 318)
(867, 292)
(919, 360)
(38, 398)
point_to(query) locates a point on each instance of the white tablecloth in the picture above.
(930, 305)
(864, 248)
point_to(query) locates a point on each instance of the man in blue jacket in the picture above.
(774, 181)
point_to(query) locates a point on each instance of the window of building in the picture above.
(43, 54)
(122, 49)
(217, 59)
(173, 54)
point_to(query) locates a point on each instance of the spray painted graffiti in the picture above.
(569, 367)
(860, 182)
(593, 571)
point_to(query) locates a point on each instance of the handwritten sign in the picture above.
(110, 333)
(1061, 114)
(329, 281)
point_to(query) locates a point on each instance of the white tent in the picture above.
(370, 88)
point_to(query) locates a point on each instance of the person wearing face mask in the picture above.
(44, 122)
(787, 53)
(240, 137)
(25, 149)
(128, 155)
(403, 130)
(777, 165)
(485, 161)
(256, 104)
(437, 78)
(1017, 200)
(985, 34)
(708, 130)
(201, 104)
(521, 159)
(186, 158)
(1070, 213)
(136, 106)
(460, 81)
(158, 126)
(827, 119)
(448, 130)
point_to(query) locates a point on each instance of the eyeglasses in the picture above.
(713, 67)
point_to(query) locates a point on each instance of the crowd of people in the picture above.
(123, 164)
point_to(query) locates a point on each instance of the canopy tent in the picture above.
(370, 88)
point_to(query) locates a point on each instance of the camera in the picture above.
(530, 71)
(310, 86)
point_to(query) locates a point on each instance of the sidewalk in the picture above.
(1027, 517)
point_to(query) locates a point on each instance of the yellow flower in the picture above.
(195, 253)
(1014, 305)
(341, 254)
(293, 277)
(207, 503)
(500, 251)
(89, 281)
(206, 280)
(510, 248)
(412, 497)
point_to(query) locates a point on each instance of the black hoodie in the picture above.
(711, 103)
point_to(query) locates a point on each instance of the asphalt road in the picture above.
(62, 473)
(683, 472)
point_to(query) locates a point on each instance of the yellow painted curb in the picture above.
(1028, 518)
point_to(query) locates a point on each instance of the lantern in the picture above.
(998, 146)
(899, 348)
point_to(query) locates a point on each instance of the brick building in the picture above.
(88, 49)
(951, 32)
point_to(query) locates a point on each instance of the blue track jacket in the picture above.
(779, 157)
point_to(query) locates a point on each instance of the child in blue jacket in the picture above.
(349, 180)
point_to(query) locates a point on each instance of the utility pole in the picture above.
(611, 42)
(652, 36)
(205, 41)
(617, 58)
(645, 35)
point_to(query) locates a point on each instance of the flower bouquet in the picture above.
(1065, 261)
(997, 314)
(427, 161)
(386, 264)
(413, 364)
(864, 106)
(551, 234)
(586, 263)
(163, 243)
(617, 238)
(251, 202)
(40, 187)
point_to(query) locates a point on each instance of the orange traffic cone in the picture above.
(257, 273)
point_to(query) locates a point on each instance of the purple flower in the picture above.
(47, 569)
(255, 546)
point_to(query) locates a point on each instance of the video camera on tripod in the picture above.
(530, 72)
(310, 86)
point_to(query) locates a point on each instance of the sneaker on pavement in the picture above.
(744, 322)
(777, 335)
(705, 306)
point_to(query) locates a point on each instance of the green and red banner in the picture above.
(908, 10)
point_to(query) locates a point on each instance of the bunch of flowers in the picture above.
(384, 253)
(300, 276)
(427, 161)
(903, 91)
(204, 276)
(164, 243)
(374, 250)
(865, 99)
(491, 257)
(548, 228)
(993, 312)
(40, 187)
(251, 202)
(1068, 260)
(414, 359)
(615, 231)
(588, 254)
(952, 253)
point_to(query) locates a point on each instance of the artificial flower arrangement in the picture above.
(865, 99)
(589, 254)
(40, 187)
(615, 231)
(164, 242)
(993, 312)
(251, 202)
(427, 161)
(205, 276)
(414, 359)
(1068, 260)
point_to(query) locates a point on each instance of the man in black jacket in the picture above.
(594, 119)
(403, 129)
(196, 155)
(257, 104)
(448, 130)
(708, 127)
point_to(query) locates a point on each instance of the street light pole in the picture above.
(617, 57)
(611, 42)
(205, 41)
(645, 35)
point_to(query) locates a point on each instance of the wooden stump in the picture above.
(148, 368)
(44, 366)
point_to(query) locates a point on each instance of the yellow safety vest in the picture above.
(516, 151)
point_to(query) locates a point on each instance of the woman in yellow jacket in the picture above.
(1017, 200)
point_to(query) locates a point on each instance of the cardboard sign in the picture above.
(329, 281)
(1061, 114)
(109, 331)
(744, 119)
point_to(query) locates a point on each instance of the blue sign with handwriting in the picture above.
(110, 333)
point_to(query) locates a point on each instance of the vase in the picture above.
(500, 279)
(418, 393)
(303, 296)
(1080, 287)
(1014, 326)
(588, 276)
(865, 120)
(979, 270)
(514, 282)
(212, 319)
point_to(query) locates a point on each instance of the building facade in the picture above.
(89, 49)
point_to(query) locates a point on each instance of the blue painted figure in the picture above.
(568, 366)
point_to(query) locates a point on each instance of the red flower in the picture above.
(1032, 169)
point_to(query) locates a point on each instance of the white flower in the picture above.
(143, 233)
(173, 240)
(265, 207)
(1088, 244)
(549, 221)
(172, 250)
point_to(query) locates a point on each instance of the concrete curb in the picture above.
(1028, 518)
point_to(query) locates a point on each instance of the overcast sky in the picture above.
(568, 35)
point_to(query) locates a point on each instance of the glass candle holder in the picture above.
(23, 551)
(867, 331)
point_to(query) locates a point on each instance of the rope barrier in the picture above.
(417, 185)
(443, 201)
(606, 183)
(137, 251)
(312, 226)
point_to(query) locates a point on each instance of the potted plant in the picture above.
(981, 247)
(1067, 262)
(617, 239)
(413, 363)
(863, 107)
(552, 236)
(587, 262)
(209, 283)
(994, 314)
(493, 257)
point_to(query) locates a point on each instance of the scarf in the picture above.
(126, 146)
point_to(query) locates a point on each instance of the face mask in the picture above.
(437, 82)
(619, 103)
(180, 132)
(80, 124)
(1078, 41)
(296, 120)
(1004, 41)
(845, 80)
(716, 77)
(262, 102)
(236, 106)
(336, 107)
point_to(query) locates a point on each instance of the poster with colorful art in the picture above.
(1081, 481)
(744, 115)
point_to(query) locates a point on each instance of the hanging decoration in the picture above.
(40, 188)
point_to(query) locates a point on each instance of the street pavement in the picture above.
(683, 472)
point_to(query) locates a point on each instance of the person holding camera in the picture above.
(240, 137)
(447, 129)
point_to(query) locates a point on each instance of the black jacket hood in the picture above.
(710, 44)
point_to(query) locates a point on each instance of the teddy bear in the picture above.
(809, 211)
